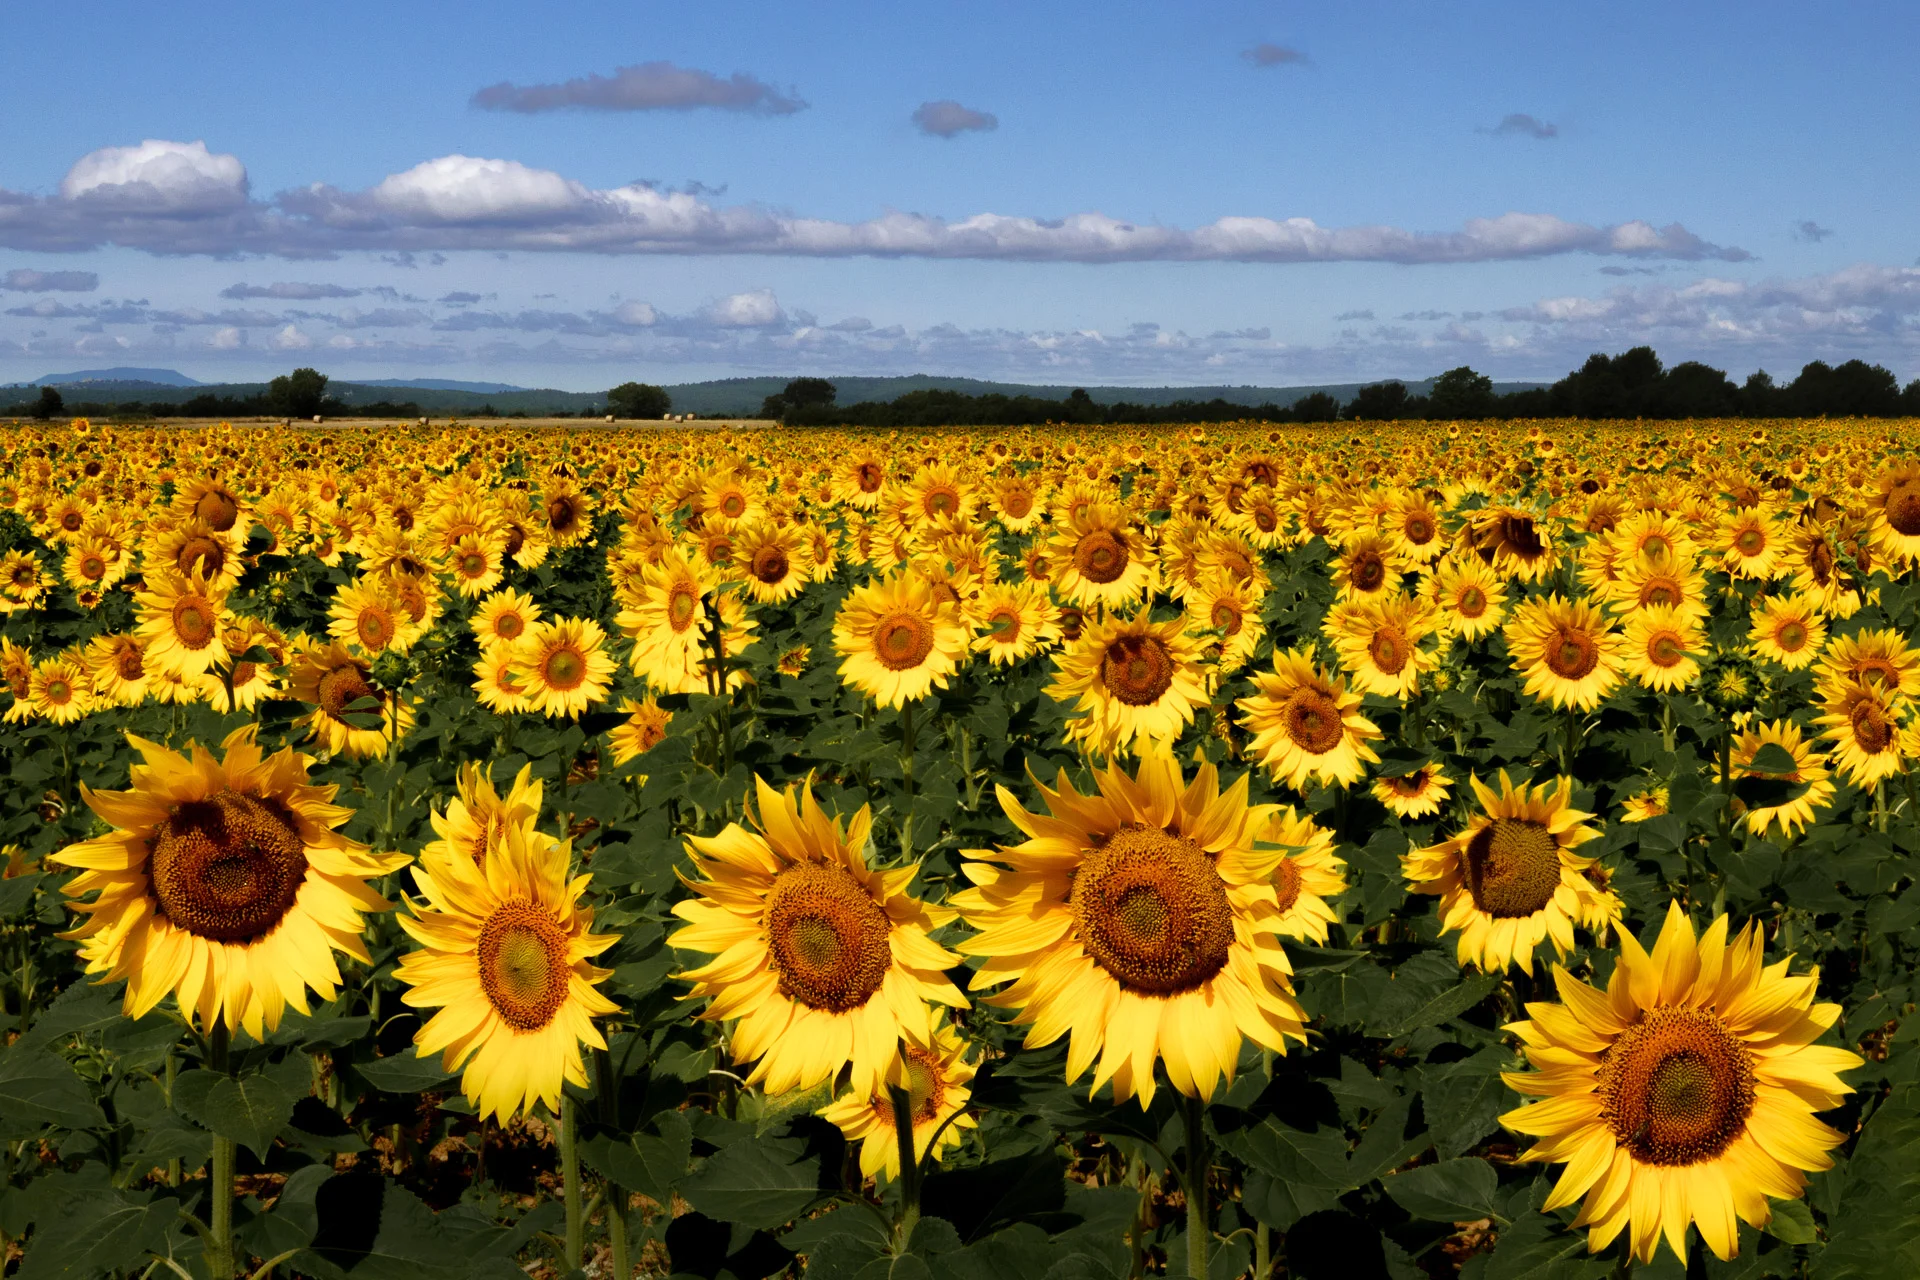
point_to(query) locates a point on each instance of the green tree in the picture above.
(638, 400)
(50, 405)
(299, 394)
(1317, 407)
(1462, 393)
(801, 399)
(1380, 402)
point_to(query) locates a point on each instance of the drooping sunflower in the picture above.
(1511, 878)
(562, 667)
(479, 815)
(1142, 920)
(1419, 794)
(1135, 681)
(644, 729)
(116, 670)
(506, 957)
(1787, 629)
(1307, 724)
(1783, 797)
(1684, 1093)
(1513, 540)
(820, 960)
(1569, 653)
(1307, 877)
(896, 641)
(937, 1076)
(1659, 646)
(494, 683)
(179, 625)
(1015, 621)
(222, 882)
(332, 680)
(1863, 722)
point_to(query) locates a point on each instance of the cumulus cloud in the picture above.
(646, 86)
(291, 339)
(23, 280)
(1520, 124)
(638, 314)
(229, 339)
(948, 119)
(290, 290)
(757, 309)
(158, 176)
(461, 202)
(1266, 54)
(1810, 231)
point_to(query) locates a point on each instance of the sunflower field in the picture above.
(1425, 849)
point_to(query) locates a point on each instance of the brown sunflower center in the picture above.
(1870, 727)
(227, 867)
(1792, 636)
(1472, 603)
(926, 1089)
(733, 504)
(1152, 910)
(1016, 503)
(563, 513)
(1666, 649)
(770, 565)
(204, 556)
(1137, 670)
(1286, 884)
(1677, 1087)
(1004, 625)
(827, 937)
(1751, 542)
(1389, 649)
(902, 640)
(1264, 519)
(341, 687)
(564, 669)
(1367, 571)
(194, 622)
(218, 509)
(869, 476)
(1520, 538)
(1313, 722)
(1572, 653)
(92, 566)
(509, 625)
(1417, 529)
(1903, 510)
(1100, 557)
(473, 564)
(1226, 617)
(1660, 591)
(375, 627)
(522, 955)
(128, 663)
(682, 603)
(1513, 867)
(941, 500)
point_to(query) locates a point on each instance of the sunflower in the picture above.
(1229, 607)
(1310, 874)
(1659, 646)
(1672, 583)
(1863, 722)
(1568, 652)
(222, 882)
(1471, 597)
(478, 563)
(1778, 796)
(1881, 657)
(1648, 804)
(794, 661)
(666, 617)
(896, 642)
(478, 815)
(23, 584)
(179, 625)
(494, 683)
(1379, 642)
(1102, 560)
(776, 559)
(1015, 621)
(1750, 544)
(1787, 630)
(562, 667)
(1134, 681)
(1895, 503)
(1412, 522)
(1511, 878)
(1145, 920)
(936, 491)
(1306, 724)
(568, 512)
(1018, 503)
(1514, 541)
(1367, 566)
(116, 670)
(60, 690)
(505, 616)
(1419, 794)
(1682, 1094)
(644, 729)
(350, 715)
(937, 1075)
(506, 957)
(820, 960)
(860, 480)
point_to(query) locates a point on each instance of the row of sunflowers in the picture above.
(1478, 849)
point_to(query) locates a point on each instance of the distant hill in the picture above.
(731, 397)
(155, 377)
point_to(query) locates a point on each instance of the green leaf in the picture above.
(403, 1073)
(249, 1109)
(101, 1233)
(1300, 1157)
(1450, 1003)
(763, 1183)
(1873, 1199)
(650, 1163)
(1451, 1191)
(37, 1089)
(1792, 1222)
(1773, 758)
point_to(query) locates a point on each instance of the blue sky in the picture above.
(576, 194)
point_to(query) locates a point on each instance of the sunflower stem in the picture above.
(1666, 724)
(909, 1166)
(1262, 1251)
(220, 1182)
(1880, 806)
(1199, 1234)
(173, 1071)
(570, 1181)
(608, 1085)
(909, 741)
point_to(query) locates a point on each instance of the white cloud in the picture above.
(464, 202)
(159, 177)
(227, 339)
(948, 119)
(638, 314)
(647, 86)
(757, 309)
(291, 339)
